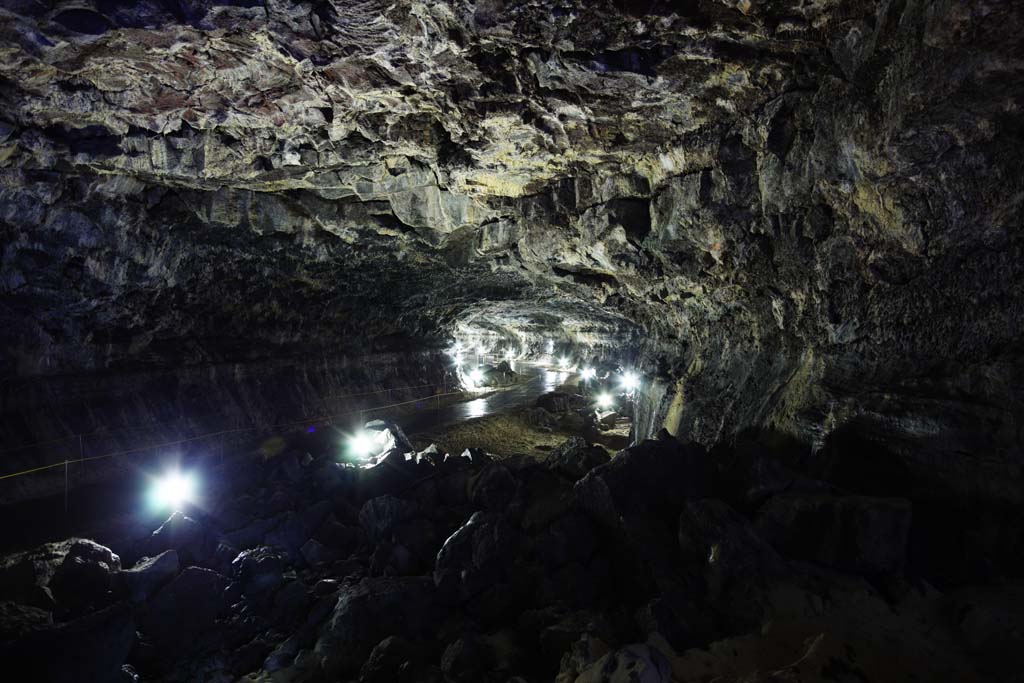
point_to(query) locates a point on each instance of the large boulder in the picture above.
(82, 582)
(651, 477)
(630, 664)
(575, 457)
(259, 569)
(482, 566)
(295, 528)
(389, 436)
(369, 611)
(147, 575)
(18, 620)
(379, 516)
(559, 402)
(724, 544)
(183, 534)
(858, 534)
(75, 572)
(493, 488)
(91, 648)
(181, 617)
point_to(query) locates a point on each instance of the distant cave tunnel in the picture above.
(502, 341)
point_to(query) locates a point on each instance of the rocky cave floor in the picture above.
(661, 563)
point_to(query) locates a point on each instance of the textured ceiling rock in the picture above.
(804, 214)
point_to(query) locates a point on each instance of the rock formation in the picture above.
(795, 219)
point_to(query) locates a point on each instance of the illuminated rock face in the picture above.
(789, 214)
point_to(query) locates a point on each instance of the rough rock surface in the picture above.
(798, 219)
(522, 578)
(808, 212)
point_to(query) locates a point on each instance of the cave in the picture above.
(509, 341)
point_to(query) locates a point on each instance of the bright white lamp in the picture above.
(629, 381)
(604, 401)
(361, 445)
(174, 489)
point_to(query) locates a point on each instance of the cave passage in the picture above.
(509, 341)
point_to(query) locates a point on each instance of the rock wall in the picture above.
(797, 216)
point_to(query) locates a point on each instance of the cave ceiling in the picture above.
(782, 204)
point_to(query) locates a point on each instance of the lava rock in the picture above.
(574, 458)
(379, 516)
(183, 534)
(91, 648)
(714, 536)
(371, 610)
(314, 553)
(26, 577)
(493, 488)
(181, 617)
(390, 436)
(630, 664)
(259, 569)
(854, 533)
(296, 528)
(17, 620)
(465, 661)
(390, 661)
(147, 575)
(82, 581)
(559, 402)
(648, 476)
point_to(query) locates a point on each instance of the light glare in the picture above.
(361, 445)
(630, 381)
(173, 490)
(476, 375)
(604, 401)
(588, 373)
(563, 362)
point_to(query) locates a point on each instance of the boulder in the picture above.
(858, 534)
(252, 534)
(17, 620)
(181, 617)
(721, 542)
(559, 402)
(380, 515)
(389, 436)
(480, 566)
(315, 553)
(91, 648)
(183, 534)
(31, 577)
(574, 458)
(390, 661)
(369, 611)
(337, 537)
(650, 476)
(630, 664)
(259, 569)
(296, 528)
(493, 488)
(147, 575)
(541, 419)
(465, 661)
(83, 580)
(431, 455)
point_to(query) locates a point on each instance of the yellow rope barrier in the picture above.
(126, 430)
(312, 420)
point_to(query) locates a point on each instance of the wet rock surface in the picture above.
(640, 568)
